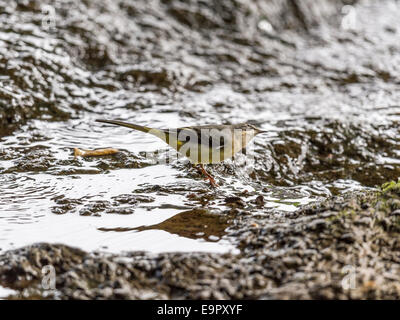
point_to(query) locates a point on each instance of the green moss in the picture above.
(296, 204)
(391, 187)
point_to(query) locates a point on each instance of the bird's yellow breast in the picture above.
(204, 154)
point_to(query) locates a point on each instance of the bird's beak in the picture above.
(258, 131)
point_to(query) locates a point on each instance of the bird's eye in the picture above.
(187, 138)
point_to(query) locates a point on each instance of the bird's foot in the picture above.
(209, 177)
(213, 183)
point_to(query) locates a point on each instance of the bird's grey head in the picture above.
(248, 127)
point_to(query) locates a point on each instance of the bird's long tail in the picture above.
(125, 124)
(156, 132)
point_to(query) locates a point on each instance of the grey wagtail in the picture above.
(202, 144)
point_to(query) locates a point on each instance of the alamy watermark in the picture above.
(49, 19)
(349, 20)
(207, 145)
(49, 277)
(349, 280)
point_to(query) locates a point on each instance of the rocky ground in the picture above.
(339, 249)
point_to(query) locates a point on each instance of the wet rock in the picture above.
(396, 213)
(235, 201)
(348, 238)
(317, 225)
(291, 262)
(94, 209)
(132, 199)
(260, 200)
(52, 74)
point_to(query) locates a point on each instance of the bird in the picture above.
(205, 144)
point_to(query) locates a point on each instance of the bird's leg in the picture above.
(209, 177)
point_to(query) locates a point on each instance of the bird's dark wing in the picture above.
(212, 136)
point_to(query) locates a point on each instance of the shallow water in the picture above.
(50, 206)
(328, 98)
